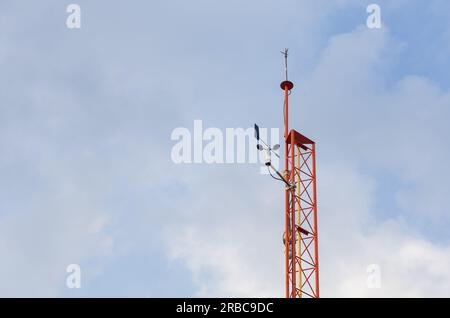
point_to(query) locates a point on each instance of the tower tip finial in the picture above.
(286, 82)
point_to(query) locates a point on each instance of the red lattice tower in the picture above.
(300, 236)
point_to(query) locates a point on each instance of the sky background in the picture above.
(86, 116)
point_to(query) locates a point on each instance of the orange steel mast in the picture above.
(300, 236)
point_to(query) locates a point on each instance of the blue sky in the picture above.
(86, 117)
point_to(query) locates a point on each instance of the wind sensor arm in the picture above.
(260, 147)
(268, 151)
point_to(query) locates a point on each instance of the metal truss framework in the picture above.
(300, 238)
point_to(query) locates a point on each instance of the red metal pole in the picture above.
(286, 164)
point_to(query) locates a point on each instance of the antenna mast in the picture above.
(299, 177)
(300, 235)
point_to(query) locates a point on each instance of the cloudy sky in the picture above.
(86, 116)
